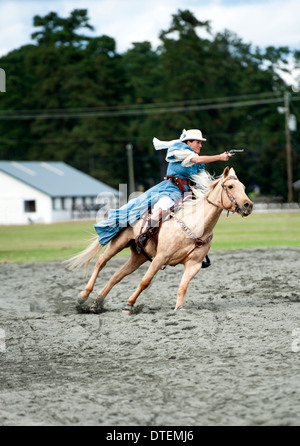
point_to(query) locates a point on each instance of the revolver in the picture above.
(234, 151)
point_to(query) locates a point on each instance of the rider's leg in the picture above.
(163, 204)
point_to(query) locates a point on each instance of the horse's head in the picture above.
(233, 197)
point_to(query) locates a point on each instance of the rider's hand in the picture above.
(225, 156)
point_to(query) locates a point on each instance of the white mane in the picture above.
(204, 183)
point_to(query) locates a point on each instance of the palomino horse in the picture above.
(180, 241)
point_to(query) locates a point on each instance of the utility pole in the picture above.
(288, 147)
(130, 168)
(2, 81)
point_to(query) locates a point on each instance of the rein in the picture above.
(231, 198)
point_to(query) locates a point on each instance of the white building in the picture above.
(48, 192)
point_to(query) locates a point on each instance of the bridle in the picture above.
(231, 198)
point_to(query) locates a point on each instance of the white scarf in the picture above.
(159, 145)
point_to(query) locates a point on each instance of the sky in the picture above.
(261, 23)
(258, 22)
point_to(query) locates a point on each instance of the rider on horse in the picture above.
(184, 160)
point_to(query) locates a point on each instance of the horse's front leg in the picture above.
(191, 268)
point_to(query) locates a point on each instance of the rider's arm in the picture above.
(205, 159)
(188, 157)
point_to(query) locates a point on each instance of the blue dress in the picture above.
(136, 208)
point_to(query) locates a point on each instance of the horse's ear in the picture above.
(226, 172)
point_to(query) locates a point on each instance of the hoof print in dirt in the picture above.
(97, 306)
(82, 309)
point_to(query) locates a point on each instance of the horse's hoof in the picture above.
(180, 308)
(206, 263)
(80, 300)
(127, 309)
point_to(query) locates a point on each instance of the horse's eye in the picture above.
(230, 187)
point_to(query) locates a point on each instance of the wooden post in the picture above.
(130, 168)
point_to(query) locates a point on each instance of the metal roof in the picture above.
(55, 178)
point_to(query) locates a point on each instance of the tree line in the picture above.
(73, 98)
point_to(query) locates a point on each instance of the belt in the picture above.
(179, 182)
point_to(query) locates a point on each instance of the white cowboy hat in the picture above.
(188, 135)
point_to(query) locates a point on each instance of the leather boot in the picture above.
(148, 233)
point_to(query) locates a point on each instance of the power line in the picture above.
(88, 139)
(152, 105)
(148, 109)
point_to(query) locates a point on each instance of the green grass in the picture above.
(44, 242)
(61, 241)
(257, 230)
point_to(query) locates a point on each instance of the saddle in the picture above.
(151, 232)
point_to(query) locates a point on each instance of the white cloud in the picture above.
(262, 23)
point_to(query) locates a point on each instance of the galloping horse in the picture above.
(184, 238)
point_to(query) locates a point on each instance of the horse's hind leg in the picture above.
(115, 246)
(83, 296)
(156, 264)
(132, 264)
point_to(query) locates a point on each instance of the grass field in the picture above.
(61, 241)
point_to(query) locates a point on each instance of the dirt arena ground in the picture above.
(232, 358)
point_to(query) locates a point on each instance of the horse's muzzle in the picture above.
(247, 208)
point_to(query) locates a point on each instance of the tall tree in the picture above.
(58, 31)
(87, 102)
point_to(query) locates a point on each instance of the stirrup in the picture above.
(206, 263)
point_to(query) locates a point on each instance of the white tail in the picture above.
(84, 257)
